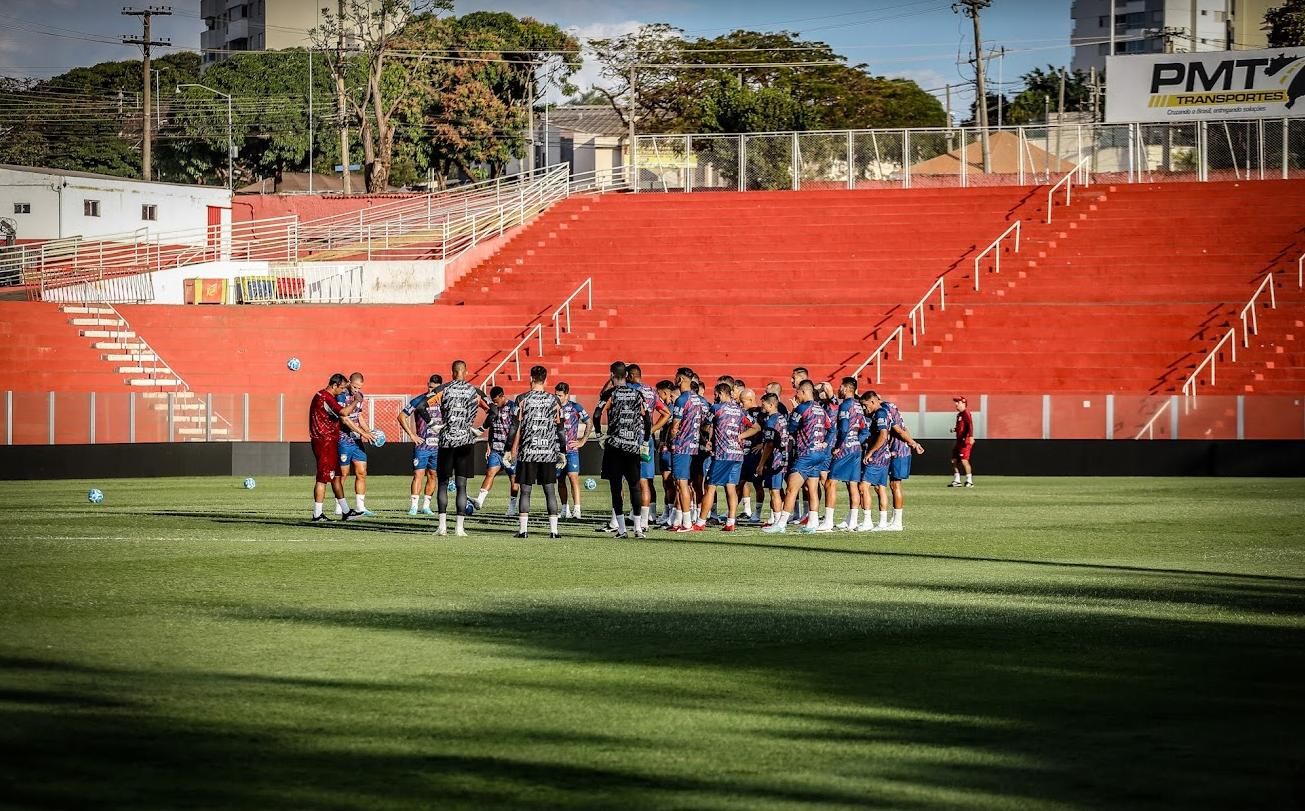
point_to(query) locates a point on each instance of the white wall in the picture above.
(57, 204)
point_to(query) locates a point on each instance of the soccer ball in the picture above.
(249, 483)
(292, 364)
(95, 496)
(453, 487)
(470, 509)
(590, 484)
(378, 438)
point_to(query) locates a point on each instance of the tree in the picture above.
(672, 77)
(269, 92)
(996, 103)
(379, 28)
(1043, 86)
(1286, 24)
(87, 119)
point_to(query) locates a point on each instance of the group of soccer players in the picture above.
(803, 452)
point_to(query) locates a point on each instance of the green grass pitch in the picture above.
(1030, 643)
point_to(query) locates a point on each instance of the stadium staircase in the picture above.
(1130, 297)
(750, 284)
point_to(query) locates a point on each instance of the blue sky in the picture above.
(919, 39)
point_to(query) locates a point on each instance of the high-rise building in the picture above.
(256, 25)
(1164, 26)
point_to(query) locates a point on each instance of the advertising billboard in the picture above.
(1205, 86)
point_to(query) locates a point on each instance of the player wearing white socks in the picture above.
(850, 430)
(538, 443)
(575, 425)
(500, 426)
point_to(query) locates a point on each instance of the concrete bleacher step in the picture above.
(130, 357)
(97, 322)
(154, 382)
(104, 333)
(86, 310)
(118, 346)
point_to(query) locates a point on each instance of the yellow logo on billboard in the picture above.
(1217, 99)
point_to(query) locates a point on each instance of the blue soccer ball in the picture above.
(95, 496)
(590, 484)
(470, 509)
(453, 487)
(292, 364)
(250, 483)
(378, 438)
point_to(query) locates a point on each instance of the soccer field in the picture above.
(1030, 643)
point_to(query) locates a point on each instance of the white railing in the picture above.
(895, 335)
(599, 180)
(917, 312)
(565, 309)
(514, 355)
(1082, 172)
(1189, 386)
(1149, 428)
(1300, 272)
(1017, 228)
(1254, 328)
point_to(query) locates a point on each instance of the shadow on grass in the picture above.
(1048, 693)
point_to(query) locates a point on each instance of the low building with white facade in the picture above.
(48, 204)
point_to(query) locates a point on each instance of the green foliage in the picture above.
(1030, 105)
(829, 93)
(1286, 24)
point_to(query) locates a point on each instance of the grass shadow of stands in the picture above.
(420, 526)
(1086, 705)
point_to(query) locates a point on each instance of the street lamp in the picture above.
(231, 144)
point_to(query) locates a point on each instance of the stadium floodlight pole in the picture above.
(231, 143)
(972, 8)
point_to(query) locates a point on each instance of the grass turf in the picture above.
(1031, 643)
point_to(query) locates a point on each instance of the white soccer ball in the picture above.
(292, 364)
(378, 438)
(590, 484)
(95, 496)
(250, 483)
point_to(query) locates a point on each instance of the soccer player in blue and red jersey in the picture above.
(666, 392)
(325, 418)
(422, 424)
(730, 424)
(889, 443)
(501, 426)
(687, 416)
(849, 429)
(352, 455)
(878, 455)
(575, 428)
(809, 425)
(773, 465)
(750, 479)
(660, 415)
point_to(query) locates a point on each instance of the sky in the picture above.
(919, 39)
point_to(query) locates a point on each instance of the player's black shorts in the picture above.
(619, 464)
(536, 473)
(459, 461)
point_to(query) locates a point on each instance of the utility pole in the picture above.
(1060, 115)
(145, 42)
(339, 97)
(972, 8)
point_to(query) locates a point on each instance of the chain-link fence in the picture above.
(1259, 149)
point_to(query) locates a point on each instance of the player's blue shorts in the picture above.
(665, 462)
(899, 469)
(647, 467)
(573, 461)
(701, 465)
(424, 458)
(496, 460)
(724, 471)
(876, 475)
(777, 479)
(682, 465)
(350, 451)
(811, 465)
(847, 469)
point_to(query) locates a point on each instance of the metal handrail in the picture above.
(1068, 182)
(514, 354)
(1300, 271)
(565, 306)
(1250, 307)
(1189, 386)
(1018, 229)
(874, 356)
(583, 182)
(1149, 428)
(918, 309)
